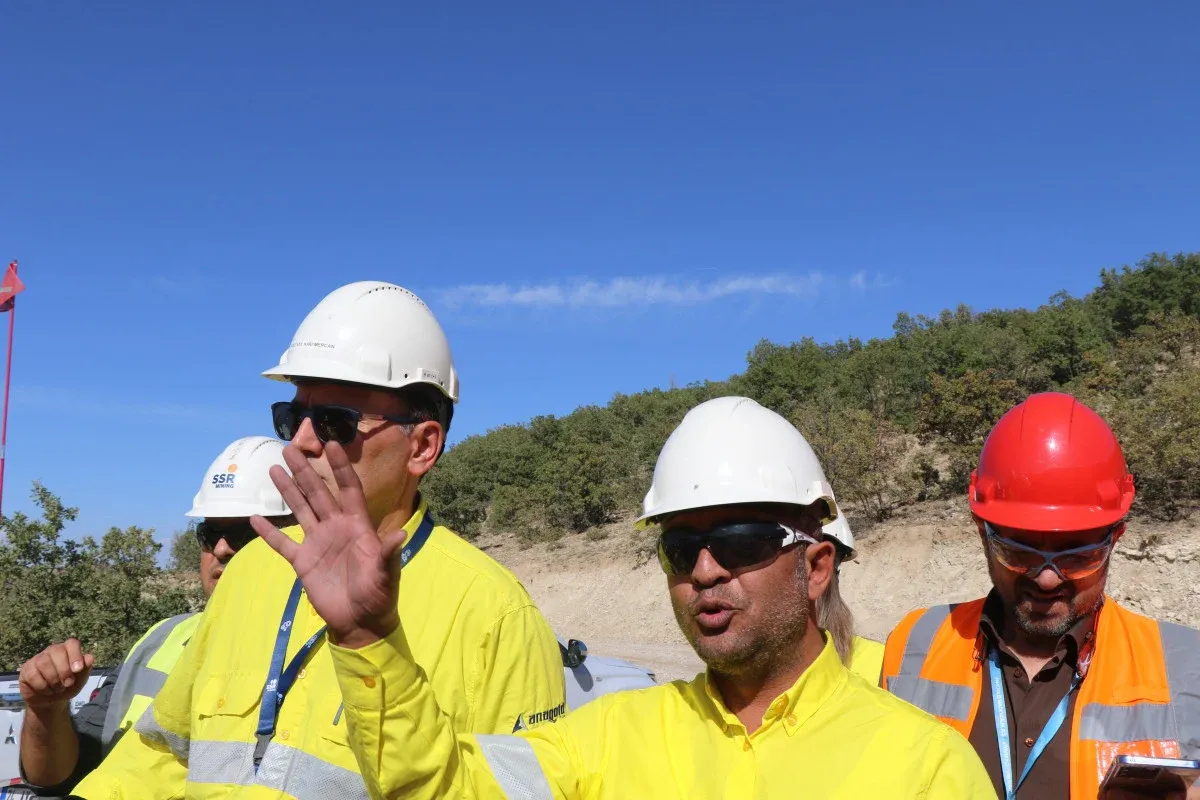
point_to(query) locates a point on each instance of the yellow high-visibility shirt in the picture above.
(476, 635)
(831, 735)
(866, 659)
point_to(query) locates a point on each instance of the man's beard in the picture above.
(757, 650)
(1052, 628)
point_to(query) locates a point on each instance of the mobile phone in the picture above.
(1148, 773)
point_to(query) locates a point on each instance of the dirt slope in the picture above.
(610, 592)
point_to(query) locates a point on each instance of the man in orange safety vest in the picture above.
(1048, 677)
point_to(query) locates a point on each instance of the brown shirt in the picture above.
(1029, 704)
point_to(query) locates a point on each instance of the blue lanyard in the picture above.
(280, 679)
(1001, 711)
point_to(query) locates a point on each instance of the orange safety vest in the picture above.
(1140, 694)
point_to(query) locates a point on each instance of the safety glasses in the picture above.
(1070, 565)
(236, 534)
(736, 547)
(331, 423)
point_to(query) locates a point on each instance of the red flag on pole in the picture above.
(10, 288)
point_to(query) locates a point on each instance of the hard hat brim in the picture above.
(739, 498)
(1038, 517)
(333, 371)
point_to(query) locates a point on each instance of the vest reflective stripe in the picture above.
(148, 682)
(137, 677)
(148, 727)
(1138, 723)
(1181, 649)
(938, 698)
(515, 767)
(934, 697)
(284, 769)
(920, 640)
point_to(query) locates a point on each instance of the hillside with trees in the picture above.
(895, 421)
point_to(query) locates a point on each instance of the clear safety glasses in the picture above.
(1070, 565)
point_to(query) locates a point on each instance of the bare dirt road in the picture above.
(606, 588)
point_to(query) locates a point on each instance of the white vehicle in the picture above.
(588, 677)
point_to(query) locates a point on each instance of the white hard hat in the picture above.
(839, 530)
(731, 450)
(238, 483)
(373, 333)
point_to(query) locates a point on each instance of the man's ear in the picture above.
(428, 440)
(822, 562)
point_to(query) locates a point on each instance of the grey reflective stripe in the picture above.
(1181, 652)
(221, 762)
(515, 767)
(135, 678)
(148, 726)
(148, 682)
(306, 777)
(948, 700)
(920, 639)
(283, 769)
(1137, 723)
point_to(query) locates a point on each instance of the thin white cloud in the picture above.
(862, 281)
(619, 292)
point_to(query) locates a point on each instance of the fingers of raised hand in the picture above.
(278, 541)
(57, 668)
(389, 546)
(293, 496)
(74, 652)
(350, 490)
(316, 493)
(60, 662)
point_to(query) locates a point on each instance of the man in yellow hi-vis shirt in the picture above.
(253, 709)
(741, 499)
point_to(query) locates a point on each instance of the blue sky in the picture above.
(594, 198)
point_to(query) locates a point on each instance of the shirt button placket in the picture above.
(742, 778)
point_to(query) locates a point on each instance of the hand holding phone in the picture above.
(1146, 778)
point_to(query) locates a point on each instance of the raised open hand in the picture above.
(351, 574)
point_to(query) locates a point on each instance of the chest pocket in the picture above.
(229, 701)
(331, 722)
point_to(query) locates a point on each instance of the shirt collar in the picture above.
(418, 516)
(796, 705)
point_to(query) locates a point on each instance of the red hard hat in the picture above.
(1051, 464)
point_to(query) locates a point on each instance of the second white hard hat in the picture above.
(238, 483)
(731, 450)
(373, 333)
(839, 530)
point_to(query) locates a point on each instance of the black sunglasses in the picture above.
(236, 534)
(331, 423)
(738, 546)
